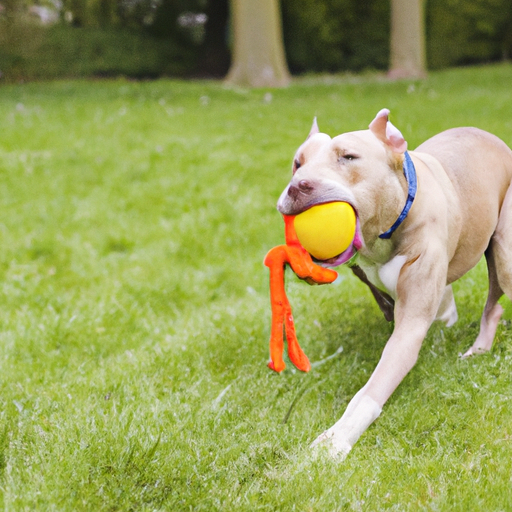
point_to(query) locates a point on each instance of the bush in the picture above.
(334, 35)
(30, 52)
(467, 32)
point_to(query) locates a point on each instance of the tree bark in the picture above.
(408, 55)
(258, 50)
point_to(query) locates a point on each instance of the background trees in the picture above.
(141, 38)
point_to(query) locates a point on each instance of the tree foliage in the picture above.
(467, 32)
(192, 37)
(334, 35)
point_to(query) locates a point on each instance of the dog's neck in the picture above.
(410, 176)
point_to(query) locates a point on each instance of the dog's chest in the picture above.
(383, 276)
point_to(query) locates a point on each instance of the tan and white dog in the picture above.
(462, 209)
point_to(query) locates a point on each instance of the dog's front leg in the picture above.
(417, 302)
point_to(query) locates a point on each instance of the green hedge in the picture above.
(468, 31)
(29, 52)
(334, 35)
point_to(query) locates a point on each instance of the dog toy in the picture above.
(316, 229)
(326, 230)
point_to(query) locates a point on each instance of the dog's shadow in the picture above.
(344, 314)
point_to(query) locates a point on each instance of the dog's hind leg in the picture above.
(502, 246)
(499, 263)
(492, 310)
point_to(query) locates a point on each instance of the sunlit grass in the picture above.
(135, 316)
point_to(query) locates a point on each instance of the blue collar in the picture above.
(410, 176)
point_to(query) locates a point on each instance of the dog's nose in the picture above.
(303, 187)
(293, 192)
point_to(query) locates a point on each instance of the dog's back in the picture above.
(472, 158)
(479, 165)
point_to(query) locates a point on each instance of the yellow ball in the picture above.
(326, 230)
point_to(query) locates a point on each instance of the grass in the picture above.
(135, 314)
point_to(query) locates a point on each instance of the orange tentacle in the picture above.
(295, 352)
(302, 264)
(276, 260)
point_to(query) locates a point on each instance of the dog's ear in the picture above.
(314, 129)
(382, 128)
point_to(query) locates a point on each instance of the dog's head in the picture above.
(362, 168)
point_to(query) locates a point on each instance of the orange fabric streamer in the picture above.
(301, 263)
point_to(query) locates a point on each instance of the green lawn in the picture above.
(135, 313)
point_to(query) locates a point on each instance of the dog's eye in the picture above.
(296, 165)
(346, 157)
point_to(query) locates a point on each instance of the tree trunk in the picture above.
(258, 50)
(408, 57)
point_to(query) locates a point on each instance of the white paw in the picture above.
(336, 446)
(339, 439)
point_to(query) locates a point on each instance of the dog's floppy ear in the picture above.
(314, 129)
(387, 133)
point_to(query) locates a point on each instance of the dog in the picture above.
(424, 219)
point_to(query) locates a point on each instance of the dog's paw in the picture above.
(335, 446)
(339, 439)
(473, 351)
